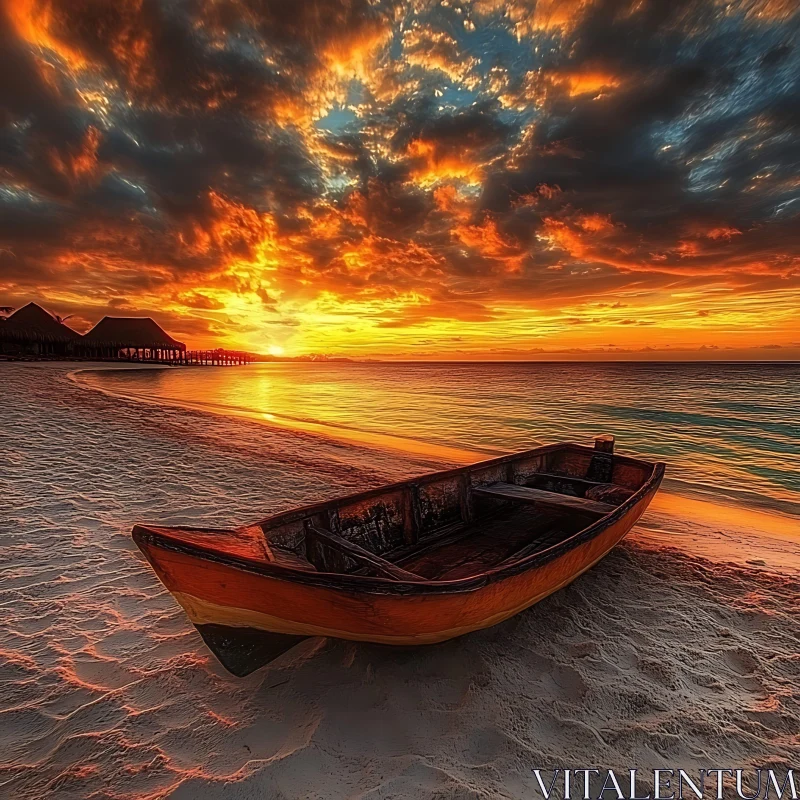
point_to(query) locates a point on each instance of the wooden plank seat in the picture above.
(600, 492)
(360, 555)
(554, 476)
(527, 494)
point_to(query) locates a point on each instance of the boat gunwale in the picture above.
(380, 585)
(293, 514)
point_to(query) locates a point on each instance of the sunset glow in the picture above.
(455, 180)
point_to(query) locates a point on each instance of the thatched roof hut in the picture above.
(32, 322)
(130, 333)
(34, 327)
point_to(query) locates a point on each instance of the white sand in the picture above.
(658, 657)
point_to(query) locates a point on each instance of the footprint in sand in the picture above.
(741, 661)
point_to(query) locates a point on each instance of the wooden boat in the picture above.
(412, 563)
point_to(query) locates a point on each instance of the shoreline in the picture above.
(382, 442)
(728, 521)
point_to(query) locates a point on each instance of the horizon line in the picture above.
(370, 360)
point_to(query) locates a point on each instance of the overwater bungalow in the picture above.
(34, 331)
(134, 338)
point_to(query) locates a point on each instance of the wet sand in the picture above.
(679, 649)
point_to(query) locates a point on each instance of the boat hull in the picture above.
(231, 603)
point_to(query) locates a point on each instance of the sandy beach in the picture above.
(681, 649)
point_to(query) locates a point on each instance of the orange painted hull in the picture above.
(212, 592)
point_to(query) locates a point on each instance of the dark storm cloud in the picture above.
(700, 128)
(179, 157)
(142, 174)
(603, 151)
(240, 55)
(42, 128)
(476, 127)
(24, 216)
(200, 83)
(23, 89)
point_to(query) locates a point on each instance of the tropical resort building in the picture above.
(134, 338)
(32, 333)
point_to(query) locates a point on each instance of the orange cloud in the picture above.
(486, 239)
(431, 163)
(33, 20)
(437, 50)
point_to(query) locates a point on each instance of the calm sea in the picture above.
(727, 430)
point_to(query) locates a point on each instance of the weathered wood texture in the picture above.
(527, 494)
(604, 443)
(359, 554)
(601, 467)
(568, 479)
(473, 549)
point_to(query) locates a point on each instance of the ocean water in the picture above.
(727, 431)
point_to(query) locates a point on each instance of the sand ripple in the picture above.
(655, 658)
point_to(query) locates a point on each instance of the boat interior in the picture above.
(459, 523)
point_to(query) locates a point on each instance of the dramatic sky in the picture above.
(409, 179)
